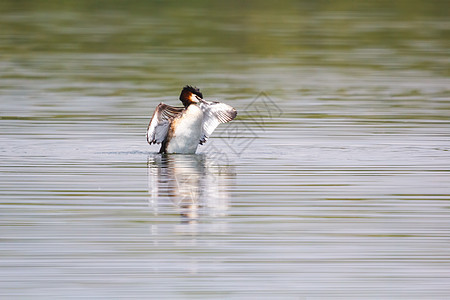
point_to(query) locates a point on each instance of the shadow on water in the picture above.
(195, 185)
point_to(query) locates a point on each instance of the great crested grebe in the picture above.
(182, 129)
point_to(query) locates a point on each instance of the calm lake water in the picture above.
(333, 182)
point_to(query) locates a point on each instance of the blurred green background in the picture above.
(344, 194)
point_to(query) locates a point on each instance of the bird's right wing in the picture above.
(159, 125)
(214, 113)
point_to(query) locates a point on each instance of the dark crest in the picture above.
(186, 93)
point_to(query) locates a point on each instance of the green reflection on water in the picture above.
(319, 32)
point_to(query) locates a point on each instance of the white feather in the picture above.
(214, 113)
(159, 125)
(187, 131)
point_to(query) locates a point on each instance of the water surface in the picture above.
(333, 181)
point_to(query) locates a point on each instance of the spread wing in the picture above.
(160, 122)
(214, 113)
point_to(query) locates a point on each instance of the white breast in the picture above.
(186, 135)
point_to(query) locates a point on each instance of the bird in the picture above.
(181, 129)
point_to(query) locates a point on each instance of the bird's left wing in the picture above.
(159, 125)
(214, 113)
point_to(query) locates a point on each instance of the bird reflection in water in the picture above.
(194, 184)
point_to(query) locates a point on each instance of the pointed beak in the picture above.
(196, 99)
